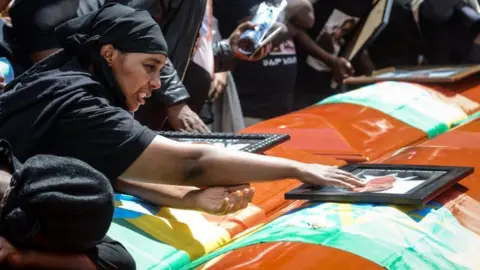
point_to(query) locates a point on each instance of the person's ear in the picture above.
(109, 53)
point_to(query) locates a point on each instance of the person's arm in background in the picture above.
(225, 52)
(224, 59)
(363, 63)
(170, 162)
(341, 67)
(172, 93)
(298, 15)
(222, 52)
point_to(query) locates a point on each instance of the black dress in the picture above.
(58, 108)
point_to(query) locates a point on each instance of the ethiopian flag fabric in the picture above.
(395, 238)
(412, 104)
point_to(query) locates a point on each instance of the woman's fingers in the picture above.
(338, 183)
(240, 197)
(244, 202)
(223, 209)
(350, 178)
(354, 181)
(249, 196)
(232, 189)
(264, 51)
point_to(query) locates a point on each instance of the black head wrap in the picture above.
(61, 200)
(128, 30)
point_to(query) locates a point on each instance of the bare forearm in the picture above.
(312, 48)
(174, 163)
(216, 167)
(43, 260)
(170, 162)
(164, 195)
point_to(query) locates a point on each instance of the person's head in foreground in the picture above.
(57, 204)
(125, 50)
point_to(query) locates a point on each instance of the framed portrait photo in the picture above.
(388, 184)
(252, 143)
(369, 28)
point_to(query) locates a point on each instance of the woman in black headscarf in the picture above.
(78, 103)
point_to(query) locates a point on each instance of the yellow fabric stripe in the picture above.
(185, 230)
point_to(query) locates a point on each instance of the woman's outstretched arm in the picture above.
(170, 162)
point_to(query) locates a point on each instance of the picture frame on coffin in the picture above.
(388, 184)
(420, 74)
(251, 142)
(369, 29)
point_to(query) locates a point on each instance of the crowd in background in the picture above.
(297, 71)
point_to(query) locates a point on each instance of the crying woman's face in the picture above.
(137, 74)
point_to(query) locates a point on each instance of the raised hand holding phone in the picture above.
(255, 40)
(265, 45)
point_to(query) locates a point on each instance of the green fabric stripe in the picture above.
(427, 238)
(147, 252)
(468, 119)
(408, 103)
(413, 118)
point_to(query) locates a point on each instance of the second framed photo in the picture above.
(253, 143)
(387, 183)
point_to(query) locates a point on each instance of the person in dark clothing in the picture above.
(266, 87)
(450, 29)
(400, 43)
(191, 197)
(318, 66)
(10, 50)
(55, 213)
(77, 103)
(200, 74)
(443, 32)
(36, 19)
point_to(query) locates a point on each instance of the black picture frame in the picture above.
(249, 142)
(422, 74)
(368, 29)
(441, 178)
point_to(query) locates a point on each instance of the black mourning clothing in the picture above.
(58, 107)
